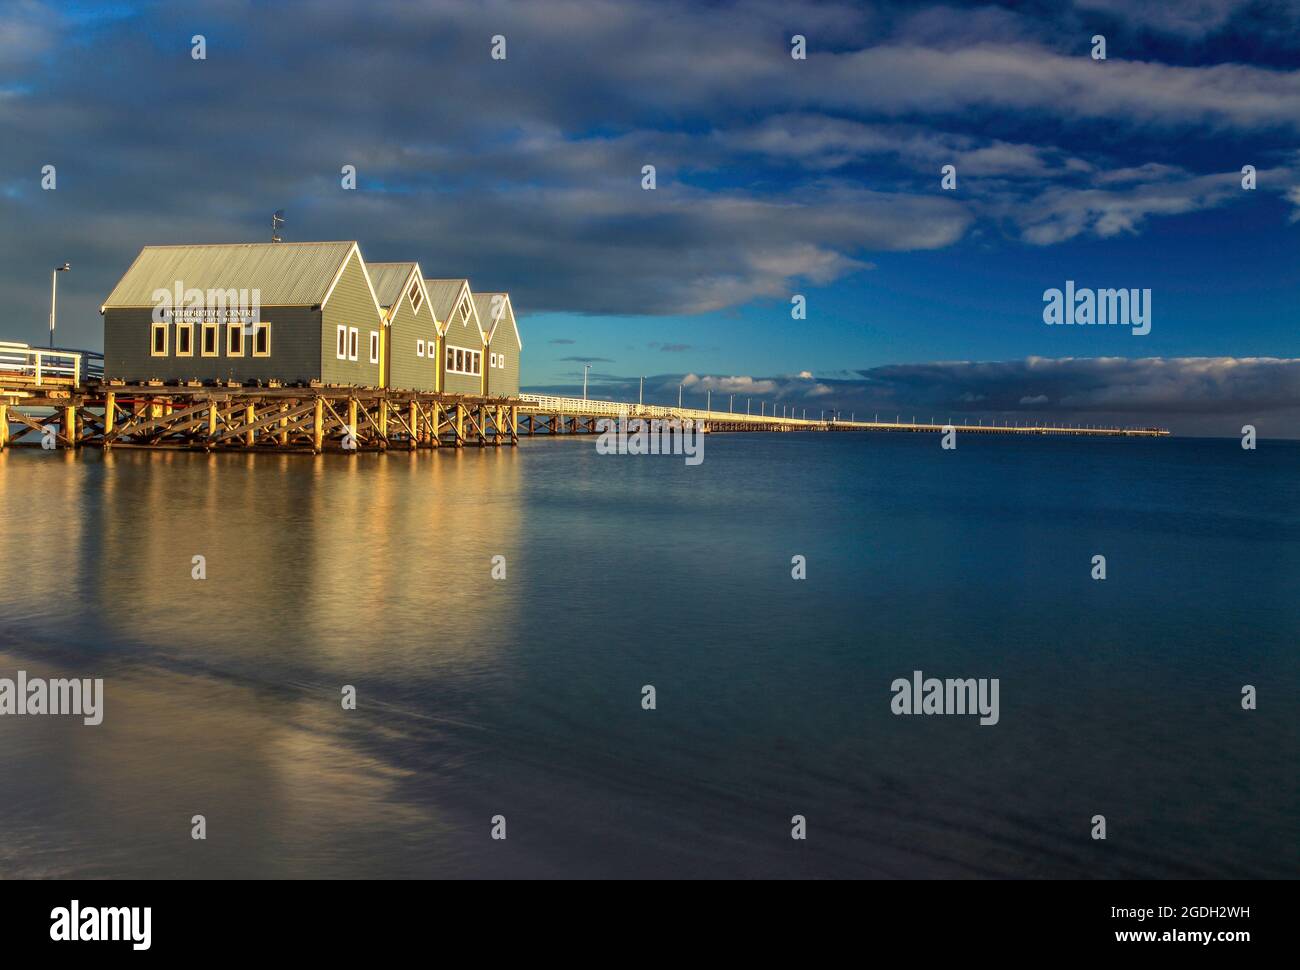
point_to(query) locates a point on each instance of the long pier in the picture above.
(59, 401)
(537, 405)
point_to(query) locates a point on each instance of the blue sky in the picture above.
(775, 177)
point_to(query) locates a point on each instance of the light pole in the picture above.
(679, 397)
(640, 398)
(54, 296)
(731, 405)
(708, 401)
(585, 369)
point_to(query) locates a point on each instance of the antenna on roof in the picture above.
(277, 220)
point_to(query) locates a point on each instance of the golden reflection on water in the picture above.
(364, 570)
(386, 558)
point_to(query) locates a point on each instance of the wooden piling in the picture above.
(318, 426)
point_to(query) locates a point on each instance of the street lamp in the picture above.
(585, 369)
(640, 398)
(679, 396)
(54, 296)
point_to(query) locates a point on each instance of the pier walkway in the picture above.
(59, 399)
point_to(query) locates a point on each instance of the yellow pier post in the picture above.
(318, 426)
(460, 425)
(70, 425)
(250, 415)
(352, 420)
(212, 421)
(435, 439)
(383, 421)
(110, 412)
(4, 425)
(514, 424)
(414, 418)
(284, 427)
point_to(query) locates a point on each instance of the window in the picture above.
(342, 351)
(158, 340)
(352, 343)
(234, 340)
(210, 348)
(417, 298)
(494, 360)
(464, 311)
(261, 340)
(374, 346)
(419, 348)
(462, 361)
(184, 340)
(433, 353)
(501, 361)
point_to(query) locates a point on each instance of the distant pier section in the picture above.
(59, 398)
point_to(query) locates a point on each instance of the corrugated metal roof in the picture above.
(387, 279)
(483, 304)
(442, 296)
(287, 274)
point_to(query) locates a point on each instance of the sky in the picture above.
(775, 177)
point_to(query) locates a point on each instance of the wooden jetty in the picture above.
(58, 398)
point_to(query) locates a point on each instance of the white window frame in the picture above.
(188, 330)
(416, 295)
(341, 343)
(374, 346)
(501, 361)
(419, 348)
(467, 361)
(494, 358)
(153, 339)
(210, 327)
(262, 327)
(354, 338)
(231, 330)
(464, 310)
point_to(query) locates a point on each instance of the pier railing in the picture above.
(577, 405)
(730, 420)
(41, 366)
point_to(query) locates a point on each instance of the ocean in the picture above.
(517, 702)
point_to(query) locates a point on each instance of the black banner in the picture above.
(144, 920)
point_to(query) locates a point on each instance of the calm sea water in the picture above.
(522, 697)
